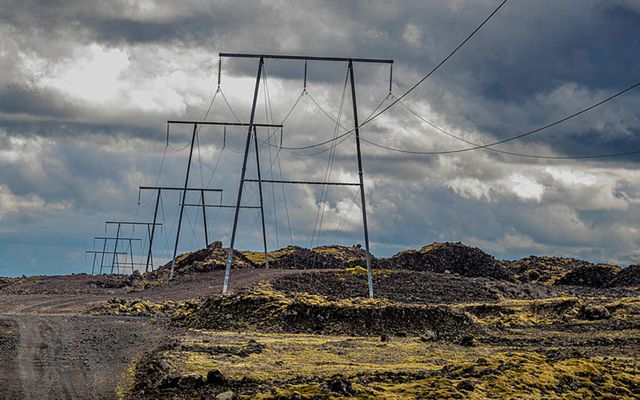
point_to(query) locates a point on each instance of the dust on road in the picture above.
(73, 357)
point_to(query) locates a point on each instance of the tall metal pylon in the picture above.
(261, 58)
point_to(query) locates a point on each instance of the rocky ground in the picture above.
(448, 321)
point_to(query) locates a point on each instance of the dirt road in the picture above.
(51, 349)
(72, 357)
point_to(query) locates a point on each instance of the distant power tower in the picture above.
(115, 264)
(159, 190)
(150, 229)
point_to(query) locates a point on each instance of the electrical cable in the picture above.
(437, 67)
(269, 113)
(229, 106)
(345, 217)
(440, 64)
(489, 145)
(340, 140)
(329, 167)
(326, 113)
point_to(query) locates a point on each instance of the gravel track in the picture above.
(50, 349)
(73, 357)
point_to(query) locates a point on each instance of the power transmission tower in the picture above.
(251, 130)
(159, 190)
(196, 124)
(150, 228)
(114, 261)
(95, 254)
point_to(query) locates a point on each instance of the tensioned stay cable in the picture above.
(193, 231)
(277, 155)
(277, 159)
(229, 106)
(286, 207)
(327, 175)
(331, 160)
(345, 217)
(273, 189)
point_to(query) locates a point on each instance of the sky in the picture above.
(87, 87)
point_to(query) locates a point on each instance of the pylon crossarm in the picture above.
(303, 182)
(306, 58)
(176, 122)
(219, 206)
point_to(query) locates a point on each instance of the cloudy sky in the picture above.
(87, 87)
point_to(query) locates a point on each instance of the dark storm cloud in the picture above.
(15, 99)
(78, 161)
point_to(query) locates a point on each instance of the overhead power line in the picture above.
(433, 70)
(528, 133)
(437, 67)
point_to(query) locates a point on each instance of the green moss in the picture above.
(127, 381)
(518, 313)
(145, 308)
(301, 365)
(357, 270)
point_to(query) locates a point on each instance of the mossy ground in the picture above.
(558, 348)
(300, 366)
(518, 313)
(268, 310)
(145, 308)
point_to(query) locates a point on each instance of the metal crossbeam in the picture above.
(114, 238)
(134, 264)
(180, 122)
(303, 182)
(178, 188)
(306, 58)
(132, 223)
(103, 252)
(218, 206)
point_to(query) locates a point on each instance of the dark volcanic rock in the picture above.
(266, 310)
(338, 385)
(629, 276)
(322, 257)
(542, 269)
(214, 257)
(408, 286)
(450, 258)
(596, 276)
(591, 312)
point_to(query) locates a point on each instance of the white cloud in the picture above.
(572, 177)
(412, 35)
(12, 204)
(525, 187)
(93, 74)
(471, 188)
(127, 66)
